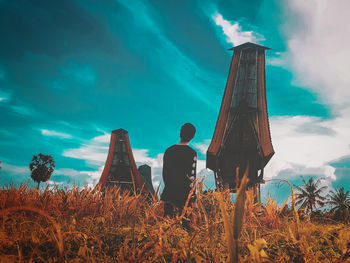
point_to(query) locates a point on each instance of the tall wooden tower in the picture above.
(120, 168)
(242, 132)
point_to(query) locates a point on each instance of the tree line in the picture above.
(311, 195)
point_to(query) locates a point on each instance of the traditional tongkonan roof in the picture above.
(242, 128)
(120, 168)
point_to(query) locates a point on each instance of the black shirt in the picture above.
(179, 165)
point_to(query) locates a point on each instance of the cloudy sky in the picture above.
(72, 71)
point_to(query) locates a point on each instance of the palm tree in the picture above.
(309, 195)
(340, 201)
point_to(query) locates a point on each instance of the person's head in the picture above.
(187, 132)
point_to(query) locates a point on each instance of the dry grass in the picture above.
(81, 225)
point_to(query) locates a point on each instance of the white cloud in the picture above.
(202, 146)
(201, 165)
(13, 174)
(22, 170)
(90, 152)
(105, 138)
(142, 156)
(55, 134)
(93, 151)
(79, 178)
(309, 152)
(318, 54)
(277, 59)
(234, 32)
(53, 183)
(319, 48)
(67, 171)
(93, 176)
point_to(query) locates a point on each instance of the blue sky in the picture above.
(72, 71)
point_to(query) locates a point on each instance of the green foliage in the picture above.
(42, 167)
(309, 195)
(340, 202)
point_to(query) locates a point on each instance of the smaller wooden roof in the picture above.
(121, 134)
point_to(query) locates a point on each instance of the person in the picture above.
(179, 172)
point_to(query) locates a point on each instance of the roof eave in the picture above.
(249, 45)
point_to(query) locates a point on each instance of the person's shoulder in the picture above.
(180, 148)
(171, 148)
(193, 151)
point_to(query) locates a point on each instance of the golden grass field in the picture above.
(83, 225)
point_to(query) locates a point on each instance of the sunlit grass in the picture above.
(84, 225)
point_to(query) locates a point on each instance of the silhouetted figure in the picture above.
(179, 172)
